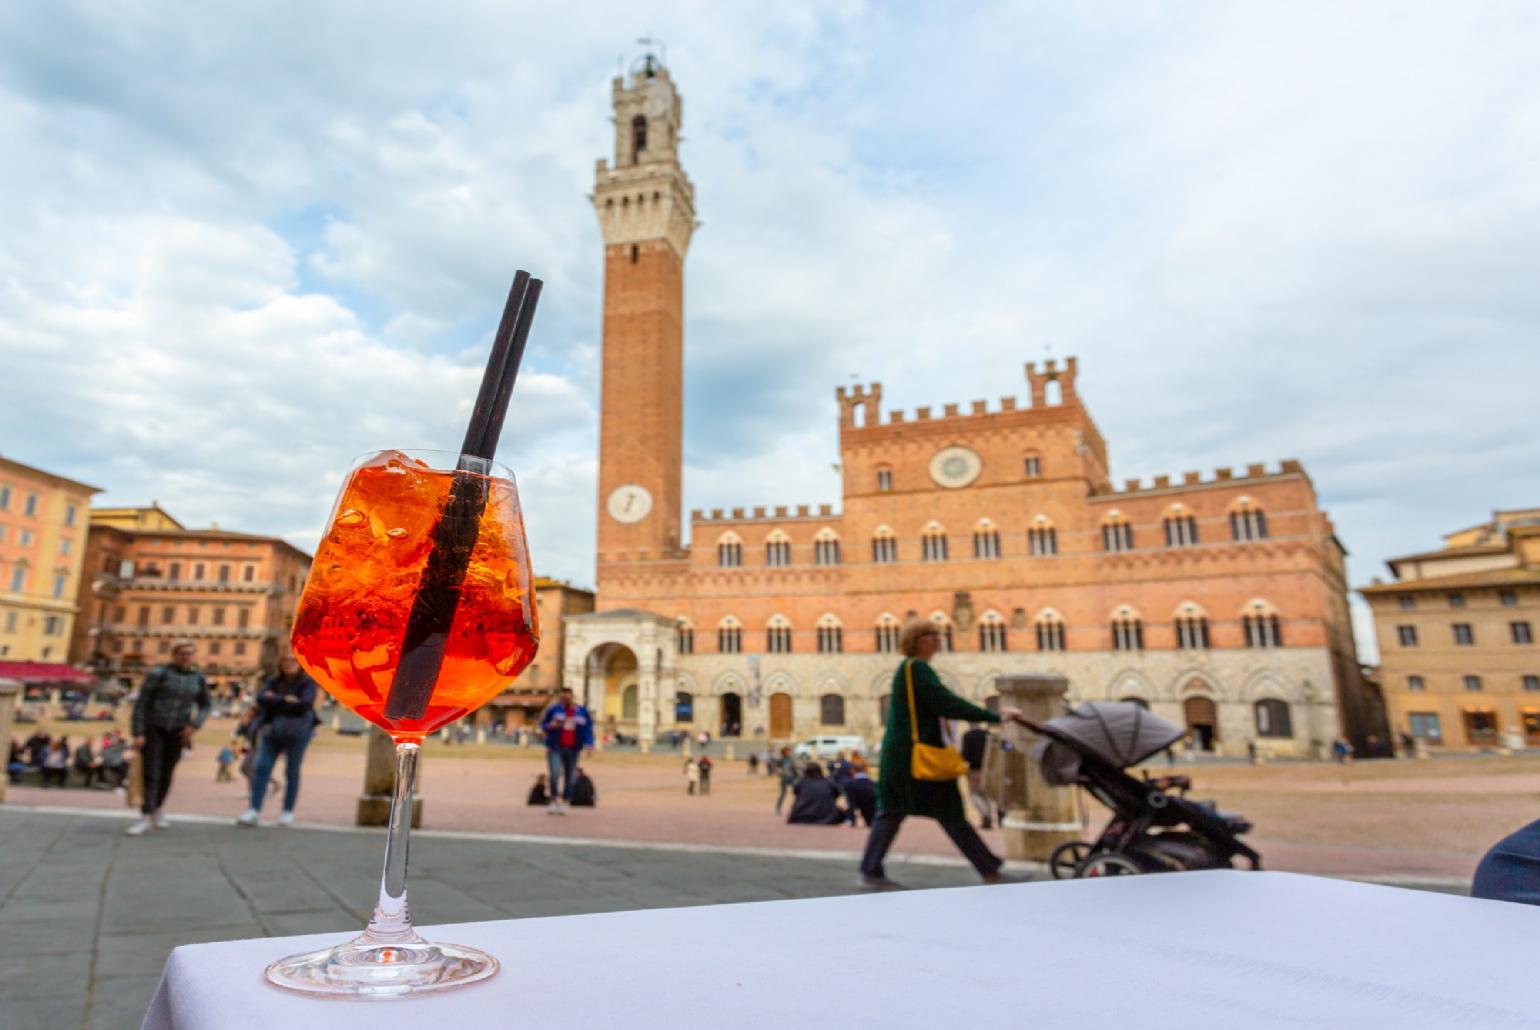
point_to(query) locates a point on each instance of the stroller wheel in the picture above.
(1065, 857)
(1107, 864)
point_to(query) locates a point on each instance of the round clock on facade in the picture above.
(954, 467)
(629, 503)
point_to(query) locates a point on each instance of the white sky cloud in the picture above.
(245, 245)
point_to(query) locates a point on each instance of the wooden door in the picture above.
(780, 716)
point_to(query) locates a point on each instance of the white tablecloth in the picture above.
(1185, 950)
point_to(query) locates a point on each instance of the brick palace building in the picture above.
(1219, 601)
(149, 582)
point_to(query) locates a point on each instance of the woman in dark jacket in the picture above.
(287, 704)
(899, 794)
(816, 799)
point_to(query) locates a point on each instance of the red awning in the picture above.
(44, 672)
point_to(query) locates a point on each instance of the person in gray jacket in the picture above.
(173, 702)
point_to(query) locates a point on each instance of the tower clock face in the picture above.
(629, 503)
(954, 467)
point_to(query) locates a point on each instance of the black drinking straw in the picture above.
(454, 538)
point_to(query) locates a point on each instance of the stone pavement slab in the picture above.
(87, 915)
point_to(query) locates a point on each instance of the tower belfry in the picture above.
(646, 209)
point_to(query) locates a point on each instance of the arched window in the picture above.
(684, 635)
(1181, 527)
(826, 548)
(1262, 627)
(684, 707)
(992, 633)
(730, 635)
(884, 546)
(729, 551)
(1273, 718)
(1032, 465)
(1247, 521)
(831, 637)
(945, 626)
(986, 540)
(1117, 533)
(1191, 627)
(777, 549)
(831, 710)
(933, 543)
(1042, 538)
(1127, 630)
(884, 479)
(886, 633)
(1050, 631)
(638, 137)
(778, 635)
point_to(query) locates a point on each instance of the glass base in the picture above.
(368, 967)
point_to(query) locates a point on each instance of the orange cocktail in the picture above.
(352, 618)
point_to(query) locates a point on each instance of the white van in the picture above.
(826, 749)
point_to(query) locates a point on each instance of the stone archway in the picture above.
(1202, 718)
(731, 708)
(613, 688)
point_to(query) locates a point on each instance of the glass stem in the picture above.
(392, 919)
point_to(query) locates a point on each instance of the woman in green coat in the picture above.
(899, 794)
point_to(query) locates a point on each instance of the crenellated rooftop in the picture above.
(861, 406)
(780, 513)
(1222, 476)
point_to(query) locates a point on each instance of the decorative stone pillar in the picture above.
(380, 782)
(1038, 817)
(10, 690)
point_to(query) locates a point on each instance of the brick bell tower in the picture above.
(646, 208)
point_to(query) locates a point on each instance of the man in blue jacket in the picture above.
(568, 732)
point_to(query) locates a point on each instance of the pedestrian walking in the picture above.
(788, 769)
(704, 765)
(286, 705)
(753, 762)
(974, 744)
(569, 730)
(919, 703)
(691, 775)
(173, 702)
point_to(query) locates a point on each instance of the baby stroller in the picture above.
(1155, 827)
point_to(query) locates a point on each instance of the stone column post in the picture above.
(10, 690)
(1038, 818)
(380, 783)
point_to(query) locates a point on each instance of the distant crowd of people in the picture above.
(101, 763)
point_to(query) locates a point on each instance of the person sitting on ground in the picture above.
(537, 792)
(817, 800)
(56, 763)
(860, 793)
(86, 763)
(1510, 871)
(583, 793)
(114, 760)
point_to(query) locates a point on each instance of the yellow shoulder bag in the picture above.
(927, 761)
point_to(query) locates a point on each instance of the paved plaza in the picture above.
(87, 915)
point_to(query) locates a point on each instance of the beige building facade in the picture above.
(43, 520)
(1459, 665)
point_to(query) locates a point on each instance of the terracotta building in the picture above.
(1459, 666)
(150, 582)
(42, 544)
(1219, 601)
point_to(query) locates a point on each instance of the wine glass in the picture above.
(384, 547)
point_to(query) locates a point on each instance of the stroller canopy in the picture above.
(1118, 732)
